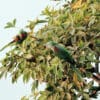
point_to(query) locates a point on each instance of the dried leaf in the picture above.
(77, 4)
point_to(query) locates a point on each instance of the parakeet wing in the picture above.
(62, 53)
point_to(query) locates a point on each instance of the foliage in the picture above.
(76, 26)
(11, 24)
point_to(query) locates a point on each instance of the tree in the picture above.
(75, 26)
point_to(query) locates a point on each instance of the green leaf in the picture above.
(86, 96)
(40, 21)
(24, 98)
(35, 85)
(11, 24)
(3, 71)
(1, 74)
(14, 22)
(42, 97)
(26, 75)
(88, 74)
(15, 76)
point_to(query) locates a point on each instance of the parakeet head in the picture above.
(22, 31)
(22, 34)
(17, 38)
(50, 44)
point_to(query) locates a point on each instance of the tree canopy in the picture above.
(76, 26)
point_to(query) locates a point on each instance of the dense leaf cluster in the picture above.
(76, 26)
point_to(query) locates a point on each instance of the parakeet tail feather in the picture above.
(6, 46)
(77, 73)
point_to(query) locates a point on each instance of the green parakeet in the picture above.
(64, 54)
(17, 39)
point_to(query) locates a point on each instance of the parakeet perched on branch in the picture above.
(64, 54)
(60, 51)
(17, 39)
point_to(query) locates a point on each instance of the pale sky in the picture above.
(22, 10)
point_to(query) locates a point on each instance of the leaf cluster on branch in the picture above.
(76, 26)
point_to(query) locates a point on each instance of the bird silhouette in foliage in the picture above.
(64, 54)
(17, 39)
